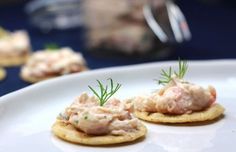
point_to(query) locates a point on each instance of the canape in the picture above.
(179, 101)
(14, 47)
(98, 120)
(50, 63)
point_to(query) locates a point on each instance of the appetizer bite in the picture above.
(14, 47)
(52, 62)
(99, 119)
(2, 74)
(179, 101)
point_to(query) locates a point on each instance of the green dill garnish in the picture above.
(63, 116)
(85, 117)
(51, 46)
(76, 121)
(166, 76)
(105, 93)
(183, 67)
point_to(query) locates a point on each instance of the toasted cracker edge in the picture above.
(211, 113)
(13, 60)
(38, 79)
(2, 73)
(69, 133)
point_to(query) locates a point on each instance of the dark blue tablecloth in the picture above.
(212, 26)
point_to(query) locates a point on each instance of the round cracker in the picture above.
(32, 79)
(2, 73)
(69, 133)
(210, 113)
(7, 61)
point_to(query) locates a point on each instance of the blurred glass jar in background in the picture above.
(134, 26)
(116, 26)
(55, 14)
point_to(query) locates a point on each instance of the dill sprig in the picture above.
(51, 46)
(105, 92)
(166, 76)
(183, 67)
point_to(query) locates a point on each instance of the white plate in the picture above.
(26, 116)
